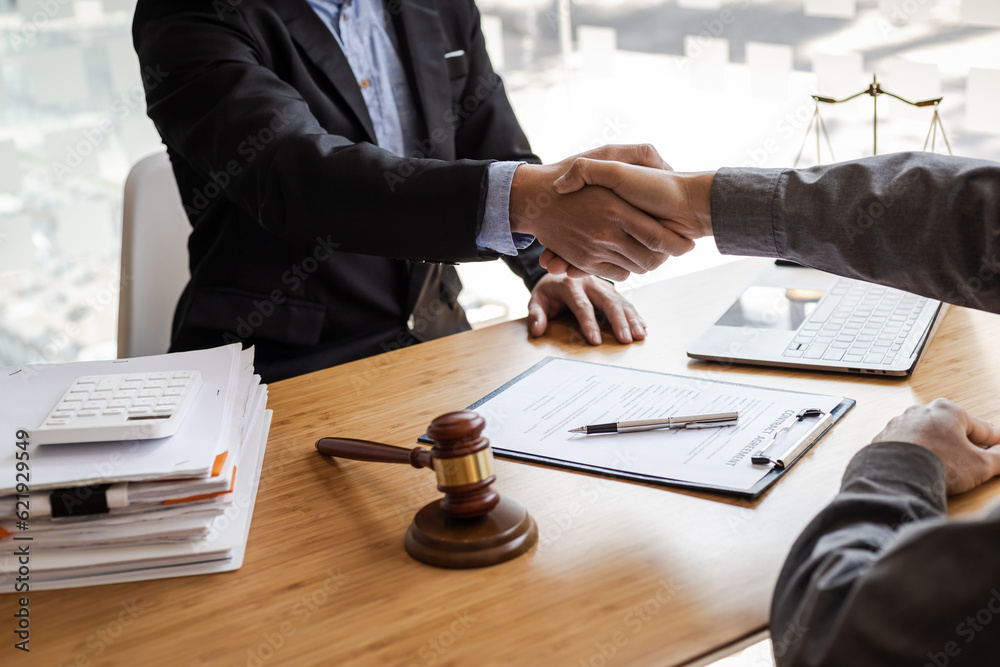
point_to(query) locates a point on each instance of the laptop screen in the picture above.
(781, 308)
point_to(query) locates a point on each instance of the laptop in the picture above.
(794, 317)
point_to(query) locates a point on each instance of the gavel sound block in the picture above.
(473, 525)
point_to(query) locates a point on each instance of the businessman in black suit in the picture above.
(316, 244)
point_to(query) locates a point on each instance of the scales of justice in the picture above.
(874, 89)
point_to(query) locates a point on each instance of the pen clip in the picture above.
(711, 423)
(706, 421)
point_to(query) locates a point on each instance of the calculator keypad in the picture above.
(113, 395)
(108, 406)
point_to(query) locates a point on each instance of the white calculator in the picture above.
(133, 406)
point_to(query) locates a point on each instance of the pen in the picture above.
(693, 421)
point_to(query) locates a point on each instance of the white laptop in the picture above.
(794, 317)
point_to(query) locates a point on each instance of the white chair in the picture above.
(155, 230)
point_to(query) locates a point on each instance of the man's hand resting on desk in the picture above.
(592, 228)
(965, 444)
(681, 202)
(555, 294)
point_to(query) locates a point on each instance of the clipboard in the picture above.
(802, 429)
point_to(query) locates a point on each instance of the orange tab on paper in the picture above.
(203, 496)
(220, 460)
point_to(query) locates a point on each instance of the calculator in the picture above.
(133, 406)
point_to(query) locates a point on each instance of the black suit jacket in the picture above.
(308, 240)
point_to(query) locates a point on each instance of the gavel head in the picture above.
(463, 463)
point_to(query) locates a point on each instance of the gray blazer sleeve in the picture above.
(924, 223)
(880, 578)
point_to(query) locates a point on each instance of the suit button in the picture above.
(410, 322)
(365, 84)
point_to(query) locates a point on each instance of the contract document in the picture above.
(530, 417)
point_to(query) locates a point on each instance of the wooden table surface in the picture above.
(624, 574)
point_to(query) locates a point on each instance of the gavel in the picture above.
(473, 525)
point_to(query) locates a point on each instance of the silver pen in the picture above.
(689, 422)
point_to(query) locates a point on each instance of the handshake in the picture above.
(610, 212)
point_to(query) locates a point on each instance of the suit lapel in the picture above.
(425, 43)
(310, 33)
(418, 26)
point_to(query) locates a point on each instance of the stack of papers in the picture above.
(168, 507)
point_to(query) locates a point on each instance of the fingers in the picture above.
(965, 444)
(635, 256)
(618, 256)
(636, 321)
(992, 455)
(659, 242)
(584, 298)
(610, 272)
(644, 155)
(622, 316)
(546, 258)
(538, 319)
(581, 307)
(585, 171)
(612, 307)
(558, 266)
(665, 239)
(654, 194)
(645, 244)
(551, 295)
(598, 232)
(982, 433)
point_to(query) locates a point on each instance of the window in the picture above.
(708, 82)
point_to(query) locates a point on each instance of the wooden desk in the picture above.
(624, 574)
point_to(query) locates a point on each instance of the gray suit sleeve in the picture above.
(880, 578)
(924, 223)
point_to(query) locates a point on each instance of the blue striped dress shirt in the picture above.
(361, 30)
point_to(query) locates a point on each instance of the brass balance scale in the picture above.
(875, 90)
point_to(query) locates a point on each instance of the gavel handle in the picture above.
(366, 450)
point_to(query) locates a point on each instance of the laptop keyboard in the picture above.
(858, 323)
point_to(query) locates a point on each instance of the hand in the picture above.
(593, 228)
(682, 202)
(554, 294)
(964, 443)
